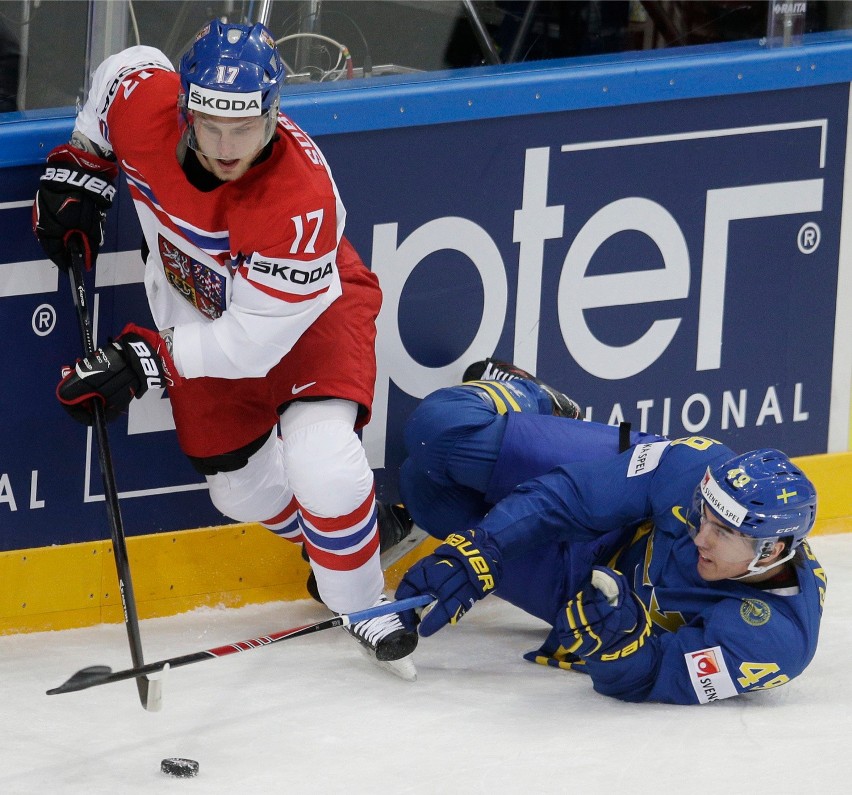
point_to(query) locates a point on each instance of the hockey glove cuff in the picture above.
(554, 654)
(115, 374)
(462, 570)
(606, 620)
(74, 194)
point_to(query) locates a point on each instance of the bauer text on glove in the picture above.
(75, 191)
(126, 368)
(458, 573)
(606, 620)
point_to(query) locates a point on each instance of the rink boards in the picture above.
(234, 566)
(661, 235)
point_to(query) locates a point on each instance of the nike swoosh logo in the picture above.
(296, 389)
(81, 374)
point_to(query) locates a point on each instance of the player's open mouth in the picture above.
(228, 163)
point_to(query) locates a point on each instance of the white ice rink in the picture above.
(310, 715)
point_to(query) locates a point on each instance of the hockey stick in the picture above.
(150, 691)
(102, 674)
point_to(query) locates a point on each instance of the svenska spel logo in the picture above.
(705, 663)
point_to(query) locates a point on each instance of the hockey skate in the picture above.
(395, 524)
(387, 643)
(494, 370)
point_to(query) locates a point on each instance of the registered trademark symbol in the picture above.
(808, 238)
(44, 320)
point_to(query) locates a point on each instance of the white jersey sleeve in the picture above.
(112, 76)
(253, 335)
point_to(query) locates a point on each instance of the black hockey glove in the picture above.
(461, 571)
(74, 194)
(115, 374)
(606, 620)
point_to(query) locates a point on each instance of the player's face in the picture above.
(226, 147)
(723, 551)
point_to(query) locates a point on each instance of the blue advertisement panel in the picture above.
(50, 483)
(674, 265)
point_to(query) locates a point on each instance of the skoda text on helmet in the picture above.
(761, 494)
(232, 72)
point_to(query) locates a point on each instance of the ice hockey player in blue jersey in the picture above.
(672, 571)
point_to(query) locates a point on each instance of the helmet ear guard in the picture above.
(762, 495)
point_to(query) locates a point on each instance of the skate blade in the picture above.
(403, 668)
(400, 550)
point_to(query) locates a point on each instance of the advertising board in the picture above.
(674, 265)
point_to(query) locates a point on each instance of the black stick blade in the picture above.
(84, 678)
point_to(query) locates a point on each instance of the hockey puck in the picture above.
(180, 768)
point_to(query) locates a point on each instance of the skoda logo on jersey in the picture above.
(289, 275)
(224, 103)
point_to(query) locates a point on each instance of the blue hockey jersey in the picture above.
(710, 640)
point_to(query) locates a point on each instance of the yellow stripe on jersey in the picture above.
(492, 388)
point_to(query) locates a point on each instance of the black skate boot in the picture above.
(387, 643)
(395, 524)
(495, 370)
(311, 584)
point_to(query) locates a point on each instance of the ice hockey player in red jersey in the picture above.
(263, 308)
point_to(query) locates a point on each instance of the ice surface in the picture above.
(311, 715)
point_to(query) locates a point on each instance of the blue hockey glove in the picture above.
(606, 620)
(458, 573)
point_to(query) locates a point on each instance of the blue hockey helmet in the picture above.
(231, 71)
(764, 496)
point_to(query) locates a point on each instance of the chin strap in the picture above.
(753, 569)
